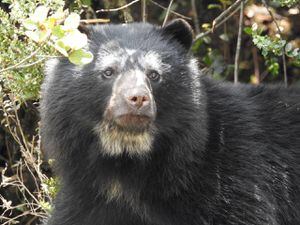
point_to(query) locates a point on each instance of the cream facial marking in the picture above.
(152, 61)
(196, 85)
(111, 56)
(116, 141)
(130, 51)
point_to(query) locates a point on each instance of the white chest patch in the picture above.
(115, 141)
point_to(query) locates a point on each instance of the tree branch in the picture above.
(144, 13)
(30, 64)
(238, 45)
(217, 25)
(283, 48)
(167, 13)
(22, 61)
(227, 11)
(171, 11)
(91, 21)
(119, 8)
(195, 16)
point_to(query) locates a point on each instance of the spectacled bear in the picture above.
(140, 137)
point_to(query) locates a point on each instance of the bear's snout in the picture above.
(137, 100)
(134, 107)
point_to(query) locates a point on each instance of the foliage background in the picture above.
(27, 183)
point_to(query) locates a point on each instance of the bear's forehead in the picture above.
(113, 54)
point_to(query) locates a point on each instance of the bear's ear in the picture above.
(180, 31)
(85, 28)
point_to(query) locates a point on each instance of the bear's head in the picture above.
(142, 86)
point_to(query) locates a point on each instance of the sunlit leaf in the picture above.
(214, 6)
(58, 32)
(29, 24)
(72, 21)
(224, 37)
(33, 35)
(59, 14)
(75, 40)
(288, 47)
(248, 30)
(40, 14)
(61, 48)
(80, 57)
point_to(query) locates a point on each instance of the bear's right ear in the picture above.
(83, 28)
(180, 31)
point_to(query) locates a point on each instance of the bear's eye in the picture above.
(108, 72)
(153, 75)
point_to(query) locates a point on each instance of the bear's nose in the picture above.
(138, 101)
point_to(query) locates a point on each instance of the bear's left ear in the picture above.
(180, 31)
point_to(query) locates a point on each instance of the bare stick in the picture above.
(256, 65)
(30, 64)
(217, 25)
(171, 11)
(227, 11)
(283, 48)
(22, 61)
(167, 13)
(284, 68)
(238, 45)
(195, 16)
(91, 21)
(144, 14)
(119, 8)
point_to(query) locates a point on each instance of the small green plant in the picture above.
(271, 48)
(29, 42)
(66, 38)
(288, 3)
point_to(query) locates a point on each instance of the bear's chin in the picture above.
(117, 139)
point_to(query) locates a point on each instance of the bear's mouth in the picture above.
(133, 122)
(130, 134)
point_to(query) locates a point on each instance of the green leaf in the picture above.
(86, 2)
(224, 37)
(33, 35)
(248, 30)
(206, 26)
(288, 47)
(81, 57)
(58, 32)
(214, 6)
(207, 40)
(29, 24)
(61, 48)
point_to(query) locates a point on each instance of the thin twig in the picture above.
(50, 56)
(167, 13)
(226, 12)
(238, 45)
(256, 65)
(91, 21)
(143, 9)
(119, 8)
(195, 17)
(171, 11)
(283, 48)
(22, 61)
(30, 64)
(284, 68)
(201, 35)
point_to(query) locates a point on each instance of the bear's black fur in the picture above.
(221, 154)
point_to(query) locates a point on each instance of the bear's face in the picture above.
(128, 119)
(139, 85)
